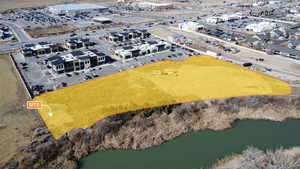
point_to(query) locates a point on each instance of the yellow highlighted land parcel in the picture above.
(153, 85)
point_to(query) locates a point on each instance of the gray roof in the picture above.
(56, 60)
(76, 6)
(251, 39)
(262, 37)
(285, 50)
(295, 42)
(277, 42)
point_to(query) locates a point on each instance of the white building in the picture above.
(260, 27)
(213, 20)
(75, 8)
(152, 5)
(225, 18)
(190, 26)
(260, 3)
(102, 20)
(294, 11)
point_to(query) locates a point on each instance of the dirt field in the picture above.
(50, 31)
(16, 123)
(11, 91)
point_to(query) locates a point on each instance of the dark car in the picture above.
(247, 64)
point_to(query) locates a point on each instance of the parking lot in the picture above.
(42, 79)
(42, 18)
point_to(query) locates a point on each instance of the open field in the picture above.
(16, 123)
(11, 90)
(153, 85)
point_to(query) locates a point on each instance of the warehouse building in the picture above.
(75, 8)
(152, 5)
(190, 26)
(225, 18)
(75, 61)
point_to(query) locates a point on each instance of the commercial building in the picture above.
(41, 48)
(190, 26)
(213, 20)
(141, 50)
(177, 38)
(260, 27)
(75, 8)
(225, 18)
(5, 33)
(75, 61)
(128, 35)
(102, 20)
(152, 5)
(76, 43)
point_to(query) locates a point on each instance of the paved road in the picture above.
(275, 20)
(23, 37)
(18, 31)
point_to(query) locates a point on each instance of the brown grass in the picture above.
(16, 123)
(11, 91)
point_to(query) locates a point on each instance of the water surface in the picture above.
(202, 148)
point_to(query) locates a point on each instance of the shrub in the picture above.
(253, 158)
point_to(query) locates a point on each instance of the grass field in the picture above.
(153, 85)
(16, 123)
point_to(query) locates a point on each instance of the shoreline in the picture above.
(148, 128)
(233, 161)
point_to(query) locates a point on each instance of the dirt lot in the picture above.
(16, 123)
(50, 31)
